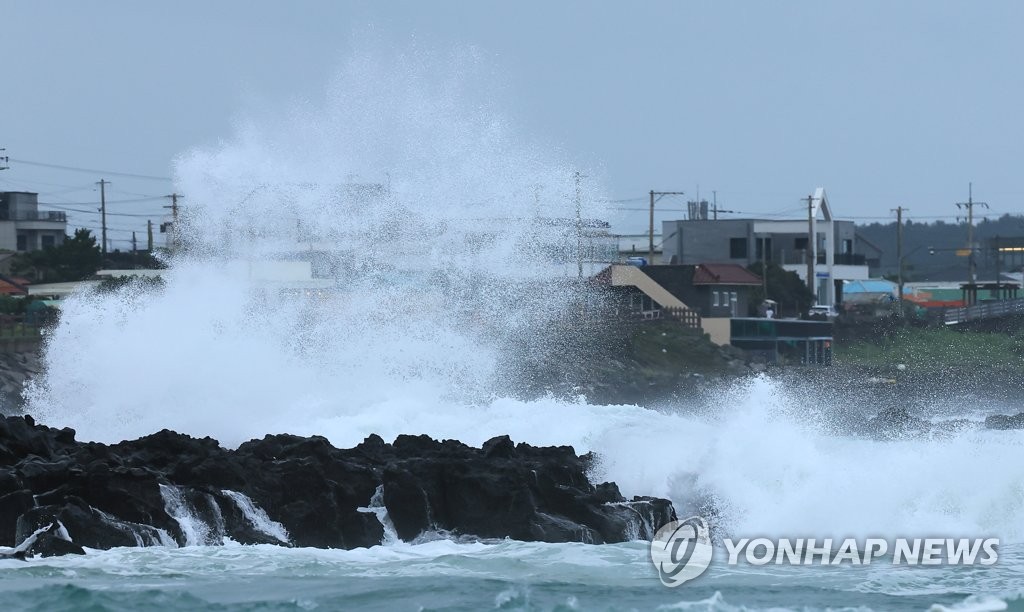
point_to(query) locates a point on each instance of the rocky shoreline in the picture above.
(58, 495)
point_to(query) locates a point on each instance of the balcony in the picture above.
(45, 215)
(839, 259)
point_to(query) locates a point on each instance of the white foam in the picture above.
(377, 508)
(257, 517)
(196, 531)
(974, 603)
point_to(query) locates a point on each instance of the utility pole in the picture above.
(579, 225)
(714, 205)
(899, 253)
(650, 250)
(764, 267)
(149, 236)
(103, 215)
(969, 205)
(811, 254)
(999, 272)
(174, 220)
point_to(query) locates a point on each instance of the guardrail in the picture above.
(988, 310)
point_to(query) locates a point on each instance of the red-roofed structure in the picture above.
(724, 274)
(13, 285)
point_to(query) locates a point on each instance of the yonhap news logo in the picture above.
(682, 551)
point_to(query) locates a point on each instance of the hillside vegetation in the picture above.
(935, 348)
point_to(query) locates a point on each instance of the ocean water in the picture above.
(445, 234)
(444, 575)
(768, 466)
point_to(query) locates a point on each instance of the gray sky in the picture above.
(882, 103)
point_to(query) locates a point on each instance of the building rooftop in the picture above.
(724, 274)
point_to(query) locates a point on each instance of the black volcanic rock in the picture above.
(301, 491)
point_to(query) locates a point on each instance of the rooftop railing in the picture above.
(839, 259)
(43, 215)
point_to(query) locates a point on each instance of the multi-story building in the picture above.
(837, 253)
(23, 227)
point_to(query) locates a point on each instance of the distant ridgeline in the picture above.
(944, 264)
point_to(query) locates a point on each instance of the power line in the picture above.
(622, 200)
(132, 193)
(128, 201)
(149, 177)
(109, 214)
(66, 187)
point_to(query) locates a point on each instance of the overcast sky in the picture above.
(882, 103)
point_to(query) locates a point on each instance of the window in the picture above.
(738, 248)
(47, 241)
(714, 298)
(800, 244)
(22, 242)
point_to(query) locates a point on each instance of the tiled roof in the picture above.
(13, 285)
(724, 274)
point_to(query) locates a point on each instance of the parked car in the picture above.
(822, 311)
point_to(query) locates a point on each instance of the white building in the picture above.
(24, 228)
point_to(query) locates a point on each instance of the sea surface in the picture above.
(507, 575)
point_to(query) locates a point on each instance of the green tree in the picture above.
(789, 292)
(128, 260)
(77, 258)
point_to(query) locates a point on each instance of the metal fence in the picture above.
(988, 310)
(686, 316)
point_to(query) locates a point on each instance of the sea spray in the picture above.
(433, 237)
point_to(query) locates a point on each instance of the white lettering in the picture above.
(769, 551)
(824, 551)
(991, 554)
(847, 552)
(734, 549)
(904, 552)
(962, 551)
(792, 553)
(932, 551)
(874, 547)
